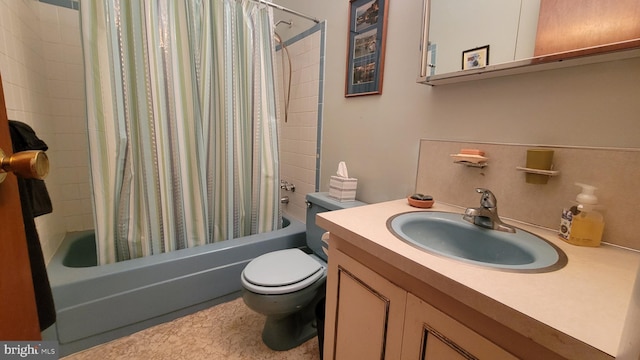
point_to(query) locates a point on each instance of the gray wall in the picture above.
(378, 135)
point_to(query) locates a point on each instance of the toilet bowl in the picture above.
(286, 285)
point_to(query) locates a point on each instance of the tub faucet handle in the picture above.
(287, 186)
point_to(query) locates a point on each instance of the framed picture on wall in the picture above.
(366, 44)
(475, 58)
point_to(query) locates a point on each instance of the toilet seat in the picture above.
(281, 272)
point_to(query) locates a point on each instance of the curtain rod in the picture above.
(289, 11)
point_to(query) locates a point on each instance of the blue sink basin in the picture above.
(446, 234)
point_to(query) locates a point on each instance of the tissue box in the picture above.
(343, 189)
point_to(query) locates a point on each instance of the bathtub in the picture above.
(96, 304)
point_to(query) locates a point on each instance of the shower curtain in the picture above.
(181, 108)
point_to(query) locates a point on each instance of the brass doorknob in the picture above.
(32, 164)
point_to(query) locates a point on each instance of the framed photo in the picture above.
(475, 58)
(366, 44)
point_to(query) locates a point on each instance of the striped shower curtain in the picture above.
(181, 110)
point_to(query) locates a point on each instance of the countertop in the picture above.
(586, 300)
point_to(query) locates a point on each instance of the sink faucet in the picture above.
(487, 214)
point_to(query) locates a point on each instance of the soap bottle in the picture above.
(581, 224)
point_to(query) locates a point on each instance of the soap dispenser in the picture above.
(581, 224)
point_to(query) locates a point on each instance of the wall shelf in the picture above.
(470, 160)
(525, 66)
(470, 164)
(538, 171)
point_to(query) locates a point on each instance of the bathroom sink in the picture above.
(446, 234)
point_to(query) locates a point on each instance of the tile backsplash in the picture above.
(615, 172)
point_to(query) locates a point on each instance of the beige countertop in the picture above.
(586, 300)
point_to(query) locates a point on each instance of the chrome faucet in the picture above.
(487, 214)
(287, 186)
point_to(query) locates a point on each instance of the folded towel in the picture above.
(24, 138)
(36, 194)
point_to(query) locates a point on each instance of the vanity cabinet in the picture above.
(388, 300)
(369, 317)
(365, 312)
(430, 334)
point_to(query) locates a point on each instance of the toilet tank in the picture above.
(318, 203)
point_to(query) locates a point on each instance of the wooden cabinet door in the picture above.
(429, 334)
(18, 315)
(365, 312)
(566, 25)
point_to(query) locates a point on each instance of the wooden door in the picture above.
(18, 314)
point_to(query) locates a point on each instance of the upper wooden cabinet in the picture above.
(586, 24)
(520, 36)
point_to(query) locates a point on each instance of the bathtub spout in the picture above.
(284, 200)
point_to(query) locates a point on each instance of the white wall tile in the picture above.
(41, 67)
(50, 31)
(48, 13)
(70, 35)
(69, 17)
(298, 141)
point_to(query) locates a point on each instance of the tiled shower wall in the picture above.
(42, 76)
(42, 73)
(300, 134)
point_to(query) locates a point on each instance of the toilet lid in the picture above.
(281, 272)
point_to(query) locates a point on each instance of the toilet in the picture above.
(286, 285)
